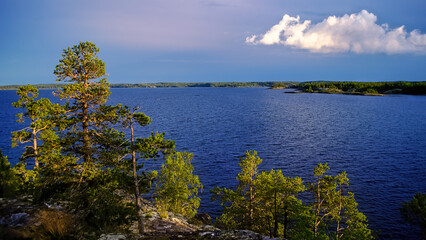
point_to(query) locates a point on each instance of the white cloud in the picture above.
(356, 33)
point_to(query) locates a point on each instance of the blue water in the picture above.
(379, 141)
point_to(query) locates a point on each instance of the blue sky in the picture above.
(218, 40)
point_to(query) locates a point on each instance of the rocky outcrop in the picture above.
(20, 219)
(203, 235)
(393, 91)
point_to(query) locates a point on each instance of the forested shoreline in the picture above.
(83, 155)
(364, 88)
(165, 85)
(336, 87)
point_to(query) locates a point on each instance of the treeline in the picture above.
(415, 88)
(166, 85)
(205, 84)
(38, 86)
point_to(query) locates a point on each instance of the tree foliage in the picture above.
(263, 202)
(41, 116)
(267, 203)
(365, 87)
(239, 204)
(335, 210)
(277, 194)
(87, 92)
(79, 156)
(8, 179)
(177, 186)
(147, 148)
(414, 211)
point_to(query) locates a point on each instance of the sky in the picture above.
(153, 41)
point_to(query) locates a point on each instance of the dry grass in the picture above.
(55, 225)
(162, 209)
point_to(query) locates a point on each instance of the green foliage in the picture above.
(42, 116)
(276, 194)
(178, 187)
(239, 204)
(321, 189)
(147, 148)
(39, 138)
(279, 85)
(78, 156)
(267, 203)
(169, 85)
(370, 91)
(365, 87)
(154, 146)
(81, 159)
(107, 210)
(414, 211)
(8, 180)
(85, 97)
(334, 207)
(80, 64)
(151, 177)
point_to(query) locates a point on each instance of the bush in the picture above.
(414, 211)
(371, 91)
(8, 180)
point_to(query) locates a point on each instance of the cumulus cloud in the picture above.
(358, 33)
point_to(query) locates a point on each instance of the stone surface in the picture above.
(19, 220)
(112, 237)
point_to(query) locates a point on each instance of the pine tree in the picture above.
(128, 119)
(335, 207)
(99, 173)
(178, 187)
(41, 115)
(85, 95)
(239, 204)
(321, 189)
(277, 195)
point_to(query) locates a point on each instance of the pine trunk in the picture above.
(36, 164)
(275, 216)
(135, 180)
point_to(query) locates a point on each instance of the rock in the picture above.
(20, 219)
(15, 220)
(112, 237)
(210, 228)
(240, 235)
(220, 235)
(204, 218)
(393, 91)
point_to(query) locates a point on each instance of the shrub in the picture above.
(371, 91)
(8, 180)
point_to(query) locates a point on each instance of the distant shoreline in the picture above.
(166, 85)
(335, 87)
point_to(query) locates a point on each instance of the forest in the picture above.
(83, 154)
(167, 85)
(343, 87)
(365, 88)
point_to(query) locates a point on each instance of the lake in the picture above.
(379, 141)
